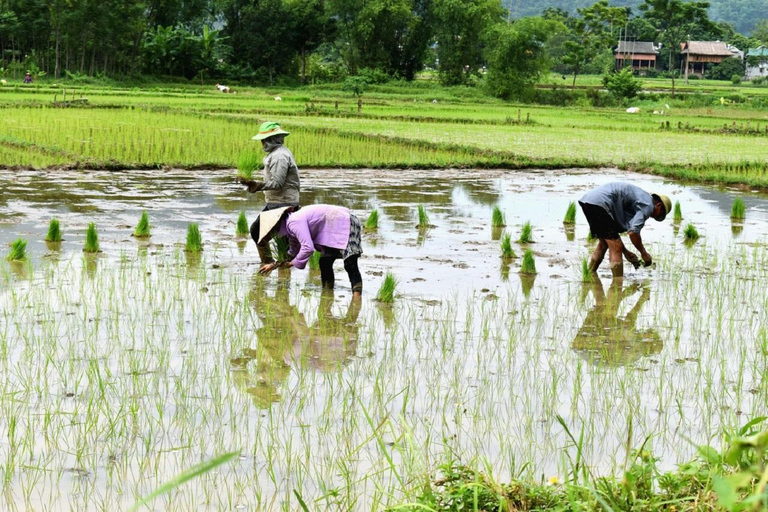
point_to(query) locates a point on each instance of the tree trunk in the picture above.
(92, 67)
(672, 69)
(57, 68)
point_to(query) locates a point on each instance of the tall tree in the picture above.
(461, 29)
(674, 20)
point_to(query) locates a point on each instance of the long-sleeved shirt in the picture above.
(315, 227)
(281, 177)
(628, 205)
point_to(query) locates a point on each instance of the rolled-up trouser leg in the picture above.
(355, 279)
(265, 253)
(326, 272)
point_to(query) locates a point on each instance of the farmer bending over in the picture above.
(281, 179)
(616, 208)
(331, 230)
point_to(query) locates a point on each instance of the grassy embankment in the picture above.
(400, 127)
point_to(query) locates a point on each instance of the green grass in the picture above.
(497, 218)
(91, 239)
(570, 214)
(18, 250)
(678, 212)
(526, 234)
(690, 233)
(738, 210)
(194, 239)
(529, 263)
(387, 289)
(142, 228)
(54, 232)
(372, 222)
(242, 229)
(423, 217)
(507, 252)
(247, 164)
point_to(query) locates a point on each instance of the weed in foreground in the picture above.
(372, 222)
(529, 264)
(497, 219)
(387, 290)
(242, 225)
(142, 228)
(526, 235)
(507, 252)
(570, 214)
(194, 239)
(18, 250)
(91, 239)
(739, 209)
(54, 231)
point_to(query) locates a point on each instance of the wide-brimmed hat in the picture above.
(269, 219)
(666, 201)
(269, 129)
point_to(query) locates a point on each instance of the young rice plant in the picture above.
(526, 235)
(387, 290)
(18, 250)
(738, 210)
(242, 225)
(54, 231)
(570, 214)
(194, 239)
(507, 252)
(142, 228)
(91, 239)
(372, 222)
(529, 264)
(497, 219)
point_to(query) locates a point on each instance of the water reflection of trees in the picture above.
(605, 338)
(284, 339)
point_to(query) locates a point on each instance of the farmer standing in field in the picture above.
(616, 208)
(281, 179)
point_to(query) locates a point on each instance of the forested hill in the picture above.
(742, 14)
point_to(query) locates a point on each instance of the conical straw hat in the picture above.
(269, 219)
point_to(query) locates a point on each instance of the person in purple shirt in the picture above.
(331, 230)
(28, 78)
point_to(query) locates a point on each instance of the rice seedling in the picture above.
(91, 239)
(423, 217)
(678, 212)
(142, 228)
(242, 229)
(590, 236)
(587, 276)
(738, 209)
(372, 222)
(529, 263)
(248, 162)
(570, 214)
(507, 252)
(526, 234)
(54, 232)
(18, 250)
(314, 261)
(281, 246)
(690, 233)
(386, 291)
(194, 239)
(497, 218)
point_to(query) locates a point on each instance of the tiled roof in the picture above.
(716, 48)
(632, 47)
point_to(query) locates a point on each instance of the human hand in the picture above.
(647, 260)
(267, 268)
(633, 259)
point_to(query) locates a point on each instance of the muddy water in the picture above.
(472, 358)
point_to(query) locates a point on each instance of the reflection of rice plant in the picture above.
(372, 222)
(738, 210)
(91, 239)
(194, 239)
(142, 228)
(314, 261)
(497, 219)
(526, 235)
(248, 162)
(506, 247)
(529, 264)
(678, 212)
(570, 214)
(690, 233)
(281, 247)
(586, 273)
(387, 289)
(18, 250)
(242, 225)
(423, 217)
(54, 231)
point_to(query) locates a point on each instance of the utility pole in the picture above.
(687, 58)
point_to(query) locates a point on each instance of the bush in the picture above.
(758, 80)
(622, 84)
(726, 70)
(736, 79)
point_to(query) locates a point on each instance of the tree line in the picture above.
(298, 41)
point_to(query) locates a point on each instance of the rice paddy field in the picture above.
(128, 359)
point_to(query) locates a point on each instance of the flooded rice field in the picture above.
(121, 369)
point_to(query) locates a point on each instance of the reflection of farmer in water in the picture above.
(607, 339)
(616, 208)
(284, 338)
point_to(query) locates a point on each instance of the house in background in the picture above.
(757, 62)
(640, 56)
(697, 54)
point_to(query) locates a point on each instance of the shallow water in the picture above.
(125, 368)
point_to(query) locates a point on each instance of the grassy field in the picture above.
(400, 126)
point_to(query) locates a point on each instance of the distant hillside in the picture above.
(740, 13)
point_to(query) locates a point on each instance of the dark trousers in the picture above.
(350, 265)
(265, 253)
